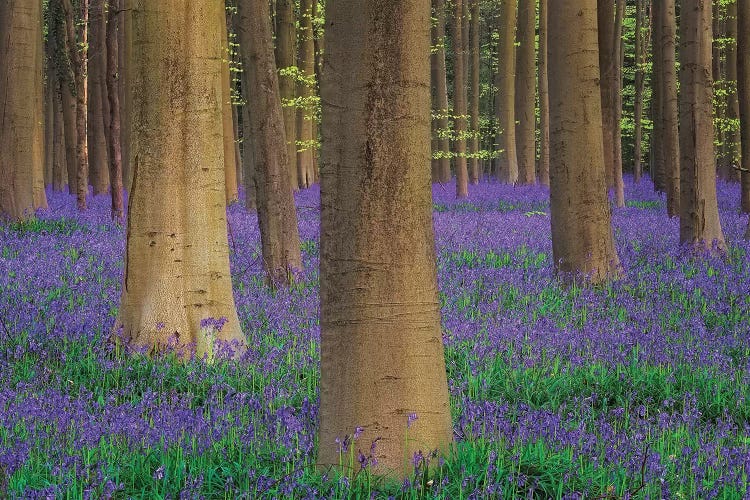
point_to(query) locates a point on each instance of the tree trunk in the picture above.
(459, 102)
(97, 94)
(656, 159)
(525, 92)
(607, 68)
(382, 361)
(543, 168)
(699, 215)
(440, 95)
(230, 165)
(49, 128)
(732, 144)
(177, 254)
(640, 63)
(78, 57)
(474, 170)
(113, 95)
(276, 213)
(743, 90)
(617, 106)
(285, 61)
(306, 93)
(582, 241)
(506, 168)
(21, 108)
(59, 168)
(125, 44)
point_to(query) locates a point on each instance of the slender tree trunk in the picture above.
(441, 95)
(543, 168)
(506, 169)
(285, 60)
(607, 69)
(177, 254)
(21, 109)
(113, 95)
(732, 144)
(474, 170)
(125, 44)
(59, 168)
(640, 62)
(617, 106)
(525, 92)
(669, 115)
(699, 213)
(306, 93)
(743, 90)
(376, 228)
(459, 102)
(97, 94)
(230, 165)
(580, 245)
(657, 160)
(78, 58)
(49, 128)
(276, 213)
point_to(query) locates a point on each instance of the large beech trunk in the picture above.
(582, 241)
(21, 109)
(743, 90)
(699, 214)
(276, 212)
(177, 253)
(285, 61)
(525, 92)
(382, 358)
(506, 169)
(459, 101)
(230, 165)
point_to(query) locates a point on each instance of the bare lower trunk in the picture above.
(670, 138)
(276, 213)
(619, 186)
(379, 302)
(230, 166)
(525, 92)
(306, 93)
(699, 215)
(607, 68)
(59, 168)
(177, 256)
(732, 143)
(640, 61)
(582, 241)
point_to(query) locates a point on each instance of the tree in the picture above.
(21, 108)
(98, 101)
(699, 214)
(177, 256)
(382, 358)
(230, 162)
(582, 241)
(606, 35)
(525, 92)
(306, 93)
(113, 95)
(743, 89)
(285, 61)
(640, 64)
(276, 214)
(543, 168)
(617, 106)
(459, 102)
(440, 95)
(666, 135)
(474, 171)
(77, 54)
(507, 163)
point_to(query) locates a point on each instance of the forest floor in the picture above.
(637, 389)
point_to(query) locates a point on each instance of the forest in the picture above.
(396, 249)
